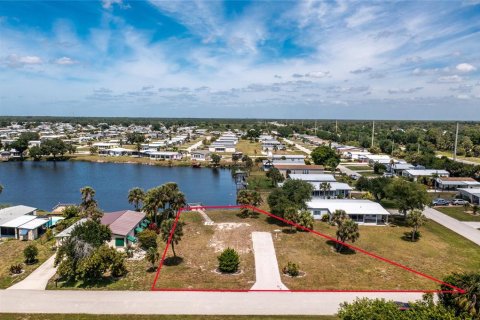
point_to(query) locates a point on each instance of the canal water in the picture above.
(45, 184)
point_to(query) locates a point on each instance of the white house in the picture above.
(21, 222)
(372, 158)
(116, 152)
(471, 194)
(454, 183)
(272, 144)
(105, 145)
(288, 158)
(287, 169)
(161, 155)
(363, 212)
(417, 173)
(200, 155)
(325, 185)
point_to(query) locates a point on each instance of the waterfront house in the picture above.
(161, 155)
(325, 185)
(200, 155)
(21, 222)
(60, 237)
(105, 145)
(124, 225)
(363, 212)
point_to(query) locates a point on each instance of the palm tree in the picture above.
(347, 231)
(416, 219)
(87, 198)
(136, 196)
(1, 188)
(325, 187)
(152, 256)
(153, 201)
(166, 228)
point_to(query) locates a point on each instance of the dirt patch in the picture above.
(231, 235)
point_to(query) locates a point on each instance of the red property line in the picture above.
(396, 264)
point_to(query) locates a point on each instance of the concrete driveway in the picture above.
(459, 227)
(267, 275)
(205, 303)
(38, 279)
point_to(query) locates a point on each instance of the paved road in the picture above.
(196, 145)
(267, 275)
(299, 147)
(207, 303)
(38, 279)
(347, 171)
(459, 227)
(473, 224)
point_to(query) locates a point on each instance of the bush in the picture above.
(30, 253)
(325, 218)
(16, 268)
(292, 269)
(228, 261)
(305, 219)
(147, 239)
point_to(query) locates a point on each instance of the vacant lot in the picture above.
(11, 252)
(359, 167)
(249, 148)
(438, 253)
(458, 212)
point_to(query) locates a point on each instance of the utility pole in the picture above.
(315, 127)
(336, 126)
(393, 146)
(373, 133)
(456, 141)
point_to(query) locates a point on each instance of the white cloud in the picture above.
(361, 17)
(15, 61)
(318, 74)
(450, 79)
(404, 91)
(108, 4)
(65, 61)
(465, 67)
(361, 70)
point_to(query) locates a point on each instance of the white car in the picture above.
(459, 202)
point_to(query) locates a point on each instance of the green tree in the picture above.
(35, 152)
(250, 198)
(291, 214)
(92, 232)
(71, 212)
(324, 155)
(347, 230)
(415, 219)
(305, 219)
(30, 253)
(248, 162)
(228, 261)
(147, 239)
(165, 230)
(135, 197)
(21, 145)
(325, 187)
(293, 193)
(89, 204)
(407, 195)
(215, 159)
(152, 256)
(54, 147)
(466, 305)
(275, 176)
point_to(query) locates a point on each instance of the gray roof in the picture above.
(66, 232)
(14, 212)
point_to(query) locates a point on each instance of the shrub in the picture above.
(305, 219)
(129, 251)
(30, 253)
(16, 268)
(228, 261)
(325, 218)
(292, 269)
(147, 239)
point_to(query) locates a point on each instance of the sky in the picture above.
(413, 60)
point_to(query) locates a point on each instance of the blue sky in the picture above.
(248, 59)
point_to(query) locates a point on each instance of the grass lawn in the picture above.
(450, 155)
(128, 159)
(443, 195)
(247, 147)
(9, 316)
(257, 180)
(360, 167)
(458, 212)
(438, 253)
(11, 252)
(370, 174)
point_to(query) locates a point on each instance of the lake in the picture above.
(45, 184)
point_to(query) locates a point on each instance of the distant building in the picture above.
(417, 173)
(454, 183)
(200, 155)
(287, 169)
(470, 194)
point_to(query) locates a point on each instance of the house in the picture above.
(161, 155)
(105, 145)
(325, 185)
(287, 169)
(60, 237)
(124, 226)
(417, 173)
(355, 155)
(363, 212)
(200, 155)
(271, 145)
(116, 152)
(372, 158)
(289, 158)
(21, 222)
(470, 194)
(398, 168)
(454, 183)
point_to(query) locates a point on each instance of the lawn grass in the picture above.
(360, 167)
(133, 160)
(248, 147)
(257, 180)
(11, 252)
(438, 253)
(450, 155)
(10, 316)
(458, 212)
(370, 174)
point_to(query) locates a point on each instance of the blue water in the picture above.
(45, 184)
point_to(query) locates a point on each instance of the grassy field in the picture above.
(11, 252)
(443, 195)
(360, 167)
(247, 147)
(370, 174)
(8, 316)
(438, 253)
(458, 212)
(128, 159)
(450, 155)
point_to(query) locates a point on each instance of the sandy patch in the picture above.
(231, 235)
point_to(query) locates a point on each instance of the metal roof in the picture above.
(34, 224)
(313, 177)
(17, 222)
(126, 222)
(66, 232)
(11, 213)
(350, 206)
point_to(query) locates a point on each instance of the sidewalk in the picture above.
(38, 279)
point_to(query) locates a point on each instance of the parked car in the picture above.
(440, 202)
(388, 175)
(459, 202)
